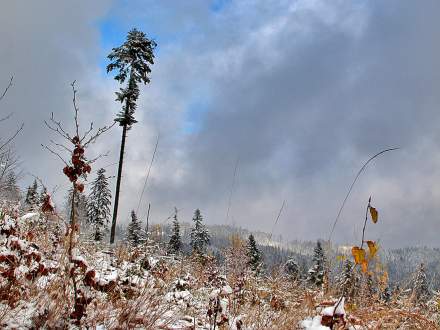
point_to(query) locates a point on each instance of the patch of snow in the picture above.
(29, 215)
(312, 324)
(226, 290)
(339, 310)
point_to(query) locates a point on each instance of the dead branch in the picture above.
(75, 107)
(62, 146)
(7, 88)
(58, 129)
(55, 153)
(98, 157)
(6, 117)
(87, 132)
(12, 137)
(99, 132)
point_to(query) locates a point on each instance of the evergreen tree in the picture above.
(421, 292)
(132, 60)
(134, 230)
(28, 194)
(199, 234)
(253, 254)
(98, 207)
(317, 272)
(291, 268)
(175, 243)
(346, 282)
(42, 195)
(32, 196)
(11, 191)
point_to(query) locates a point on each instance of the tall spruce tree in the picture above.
(291, 268)
(199, 234)
(253, 254)
(132, 61)
(421, 292)
(175, 243)
(134, 230)
(32, 196)
(317, 271)
(98, 207)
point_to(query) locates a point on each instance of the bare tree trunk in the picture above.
(118, 184)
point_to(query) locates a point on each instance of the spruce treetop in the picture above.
(199, 234)
(253, 253)
(132, 60)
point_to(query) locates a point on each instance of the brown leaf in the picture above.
(374, 214)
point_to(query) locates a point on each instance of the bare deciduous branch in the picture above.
(12, 137)
(87, 132)
(62, 146)
(75, 107)
(58, 129)
(6, 117)
(100, 131)
(7, 88)
(98, 157)
(55, 153)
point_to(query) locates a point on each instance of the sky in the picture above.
(256, 103)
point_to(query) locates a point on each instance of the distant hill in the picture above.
(400, 263)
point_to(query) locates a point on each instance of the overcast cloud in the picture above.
(301, 93)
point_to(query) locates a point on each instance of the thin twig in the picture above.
(352, 185)
(12, 137)
(148, 173)
(278, 217)
(55, 153)
(365, 222)
(98, 157)
(232, 189)
(148, 217)
(75, 107)
(100, 131)
(6, 117)
(59, 129)
(87, 132)
(61, 146)
(7, 88)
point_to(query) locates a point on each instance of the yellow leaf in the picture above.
(364, 266)
(372, 246)
(374, 214)
(358, 254)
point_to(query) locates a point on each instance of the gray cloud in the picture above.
(301, 93)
